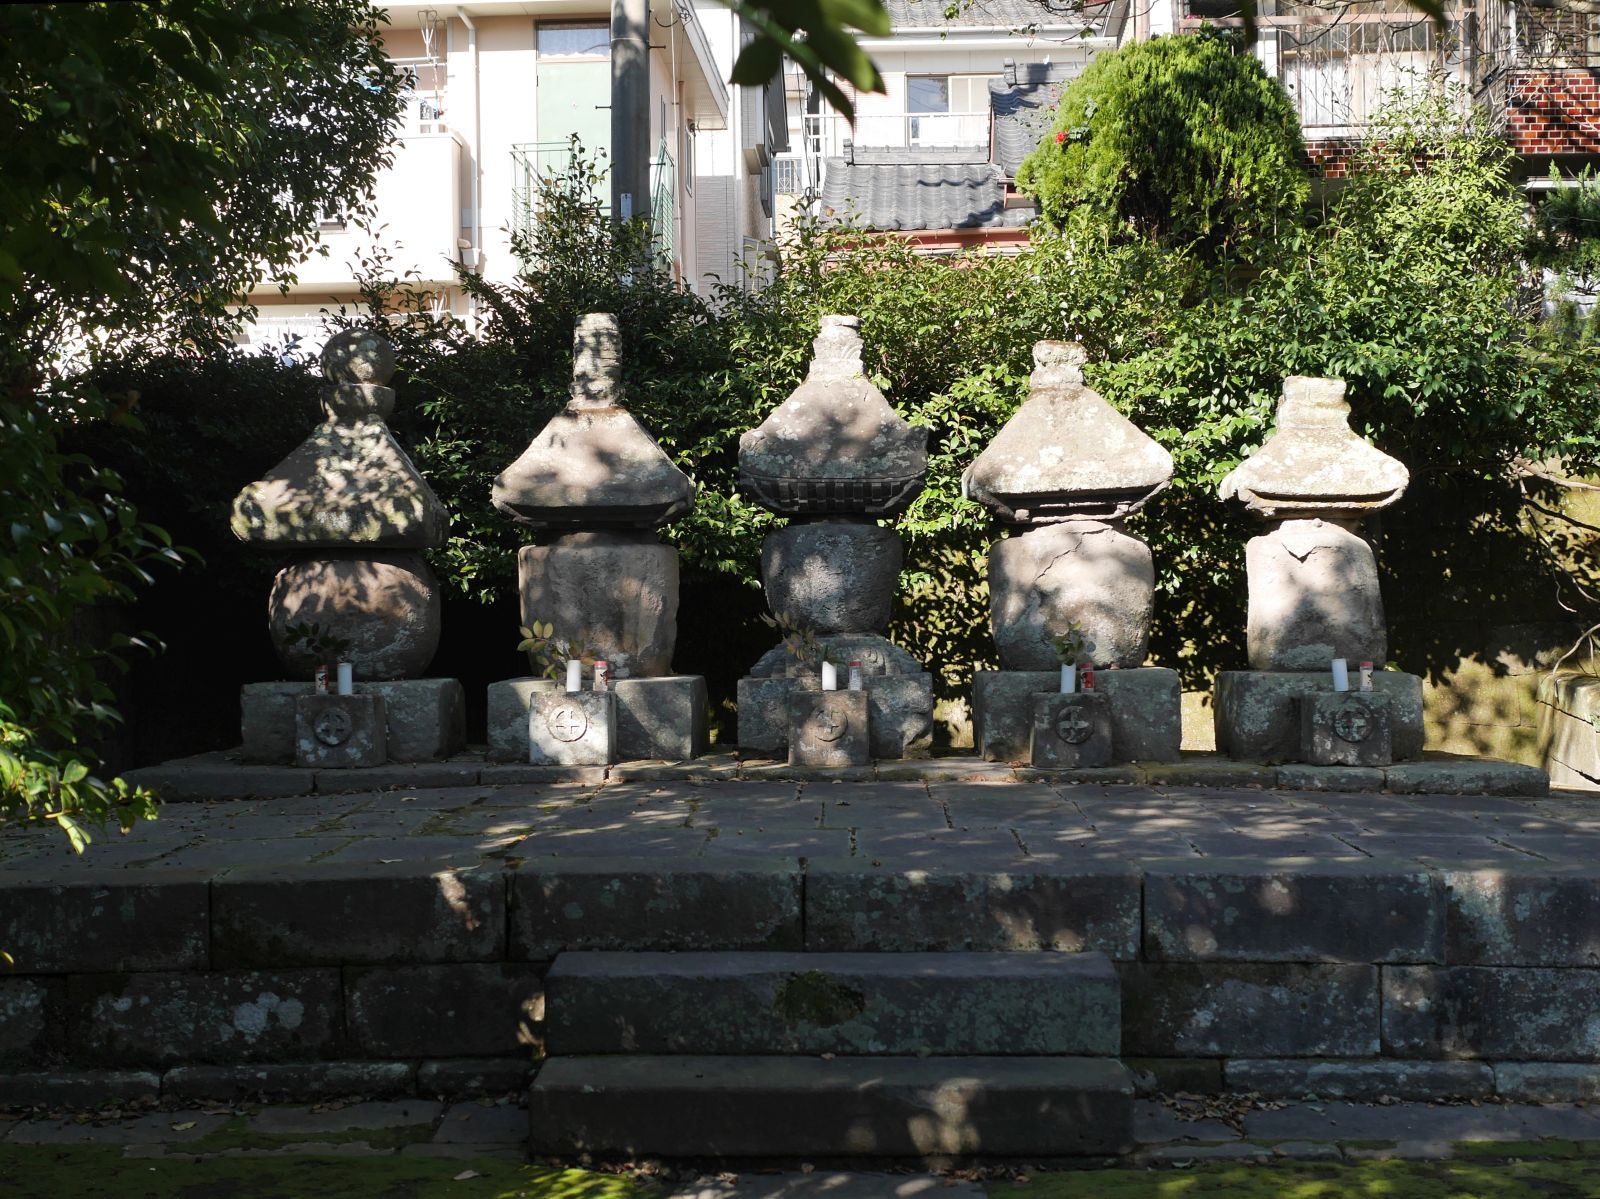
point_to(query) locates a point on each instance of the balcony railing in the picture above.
(424, 99)
(910, 129)
(536, 161)
(664, 203)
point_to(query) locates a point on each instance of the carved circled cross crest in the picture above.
(567, 723)
(827, 726)
(1072, 728)
(333, 727)
(1353, 723)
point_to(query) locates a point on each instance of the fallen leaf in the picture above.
(184, 1127)
(466, 1174)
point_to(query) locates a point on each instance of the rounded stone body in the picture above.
(1086, 572)
(612, 592)
(386, 604)
(832, 576)
(1313, 597)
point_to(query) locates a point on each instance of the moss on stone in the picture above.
(815, 998)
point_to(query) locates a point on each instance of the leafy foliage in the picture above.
(163, 158)
(1179, 139)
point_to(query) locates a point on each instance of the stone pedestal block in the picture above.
(425, 719)
(1071, 731)
(900, 707)
(833, 576)
(1257, 718)
(1146, 712)
(510, 700)
(339, 730)
(1087, 572)
(614, 593)
(661, 718)
(386, 604)
(764, 713)
(576, 728)
(1313, 597)
(828, 728)
(1345, 728)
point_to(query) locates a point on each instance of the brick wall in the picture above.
(1554, 111)
(1331, 159)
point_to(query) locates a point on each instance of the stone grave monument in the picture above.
(835, 459)
(351, 505)
(594, 486)
(1314, 596)
(1064, 474)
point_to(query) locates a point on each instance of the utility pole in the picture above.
(630, 109)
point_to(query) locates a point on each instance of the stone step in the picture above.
(1025, 1004)
(897, 1107)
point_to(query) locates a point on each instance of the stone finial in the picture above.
(1066, 454)
(594, 466)
(358, 364)
(596, 361)
(358, 356)
(1057, 364)
(835, 446)
(836, 351)
(349, 483)
(1314, 463)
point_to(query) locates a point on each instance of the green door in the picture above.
(574, 91)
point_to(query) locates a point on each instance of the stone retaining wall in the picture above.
(1353, 979)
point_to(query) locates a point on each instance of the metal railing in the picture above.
(664, 203)
(534, 161)
(911, 129)
(427, 83)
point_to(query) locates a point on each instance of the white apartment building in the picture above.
(499, 87)
(933, 155)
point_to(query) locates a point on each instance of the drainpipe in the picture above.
(630, 109)
(476, 249)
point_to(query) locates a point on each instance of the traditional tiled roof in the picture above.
(882, 191)
(1023, 111)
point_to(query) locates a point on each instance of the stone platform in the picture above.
(1279, 940)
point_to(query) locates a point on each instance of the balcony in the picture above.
(536, 164)
(418, 199)
(941, 129)
(1340, 65)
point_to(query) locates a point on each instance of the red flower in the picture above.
(1061, 137)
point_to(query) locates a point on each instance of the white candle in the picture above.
(574, 674)
(347, 678)
(1341, 675)
(830, 676)
(1069, 679)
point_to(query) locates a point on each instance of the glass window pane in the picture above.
(928, 93)
(590, 41)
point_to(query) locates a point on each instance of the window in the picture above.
(574, 41)
(927, 93)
